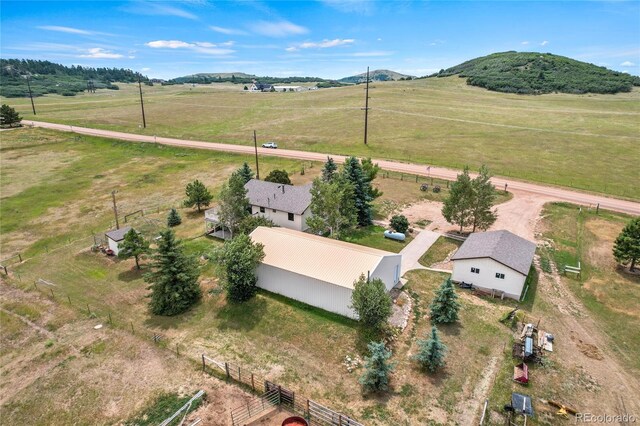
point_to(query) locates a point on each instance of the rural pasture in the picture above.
(586, 142)
(56, 192)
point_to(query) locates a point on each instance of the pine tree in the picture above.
(197, 195)
(626, 248)
(371, 302)
(456, 208)
(484, 196)
(246, 172)
(9, 116)
(444, 307)
(239, 259)
(174, 218)
(370, 171)
(329, 170)
(134, 245)
(377, 368)
(173, 278)
(431, 351)
(352, 171)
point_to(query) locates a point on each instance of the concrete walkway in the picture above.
(415, 249)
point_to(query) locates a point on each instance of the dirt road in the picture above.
(549, 193)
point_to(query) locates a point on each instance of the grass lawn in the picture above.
(373, 236)
(609, 293)
(434, 121)
(439, 251)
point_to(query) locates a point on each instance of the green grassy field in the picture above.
(582, 141)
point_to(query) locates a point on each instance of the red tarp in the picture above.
(521, 373)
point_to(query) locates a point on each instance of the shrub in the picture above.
(399, 223)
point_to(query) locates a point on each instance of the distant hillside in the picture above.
(377, 75)
(238, 77)
(536, 73)
(48, 77)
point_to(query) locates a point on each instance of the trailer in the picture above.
(521, 373)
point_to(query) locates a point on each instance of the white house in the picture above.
(286, 205)
(494, 261)
(260, 87)
(114, 238)
(320, 271)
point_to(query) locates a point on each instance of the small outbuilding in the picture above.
(496, 261)
(320, 271)
(114, 238)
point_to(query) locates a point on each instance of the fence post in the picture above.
(110, 320)
(226, 367)
(203, 364)
(35, 284)
(340, 419)
(253, 386)
(132, 330)
(20, 257)
(293, 400)
(69, 299)
(52, 296)
(239, 376)
(279, 394)
(308, 410)
(5, 270)
(177, 349)
(88, 309)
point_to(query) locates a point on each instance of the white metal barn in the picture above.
(320, 271)
(114, 237)
(497, 261)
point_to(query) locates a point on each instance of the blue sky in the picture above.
(326, 38)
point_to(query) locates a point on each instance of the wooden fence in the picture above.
(272, 394)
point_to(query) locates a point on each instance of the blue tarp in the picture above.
(528, 347)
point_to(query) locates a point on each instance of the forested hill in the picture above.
(536, 73)
(48, 77)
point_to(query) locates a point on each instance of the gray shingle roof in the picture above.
(294, 199)
(501, 246)
(118, 234)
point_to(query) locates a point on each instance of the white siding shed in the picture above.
(320, 271)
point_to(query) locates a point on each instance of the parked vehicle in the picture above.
(270, 145)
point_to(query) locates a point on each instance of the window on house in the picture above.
(291, 217)
(499, 275)
(262, 209)
(274, 210)
(475, 270)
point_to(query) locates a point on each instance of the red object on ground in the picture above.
(295, 421)
(109, 252)
(521, 373)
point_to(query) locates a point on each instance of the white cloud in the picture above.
(379, 39)
(227, 31)
(436, 42)
(544, 43)
(100, 53)
(68, 30)
(627, 64)
(321, 44)
(146, 69)
(376, 53)
(524, 43)
(198, 46)
(351, 6)
(277, 29)
(157, 8)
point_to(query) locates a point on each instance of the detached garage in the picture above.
(320, 271)
(496, 261)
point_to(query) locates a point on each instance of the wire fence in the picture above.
(271, 395)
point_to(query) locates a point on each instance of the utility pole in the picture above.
(255, 144)
(144, 121)
(31, 96)
(366, 108)
(115, 208)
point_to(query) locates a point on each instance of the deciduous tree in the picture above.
(239, 259)
(197, 195)
(173, 278)
(278, 176)
(456, 208)
(234, 204)
(9, 116)
(484, 196)
(332, 206)
(626, 248)
(371, 302)
(134, 245)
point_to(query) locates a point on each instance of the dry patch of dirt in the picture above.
(601, 255)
